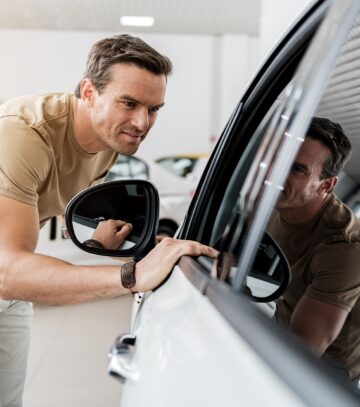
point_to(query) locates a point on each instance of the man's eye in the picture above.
(129, 104)
(154, 109)
(297, 168)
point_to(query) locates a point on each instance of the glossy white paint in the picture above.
(188, 355)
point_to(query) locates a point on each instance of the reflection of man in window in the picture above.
(321, 238)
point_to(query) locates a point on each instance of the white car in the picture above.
(206, 336)
(189, 166)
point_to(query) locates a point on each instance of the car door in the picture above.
(198, 340)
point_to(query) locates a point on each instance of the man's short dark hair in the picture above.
(332, 136)
(122, 49)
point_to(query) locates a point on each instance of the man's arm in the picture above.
(27, 276)
(317, 323)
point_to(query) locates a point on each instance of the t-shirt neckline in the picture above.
(313, 220)
(72, 132)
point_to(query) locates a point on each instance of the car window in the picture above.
(256, 152)
(263, 164)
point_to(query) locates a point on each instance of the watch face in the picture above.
(128, 274)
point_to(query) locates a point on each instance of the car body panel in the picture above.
(179, 332)
(192, 346)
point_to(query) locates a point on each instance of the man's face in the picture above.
(122, 115)
(303, 185)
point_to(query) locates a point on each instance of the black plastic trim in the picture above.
(198, 278)
(146, 241)
(248, 111)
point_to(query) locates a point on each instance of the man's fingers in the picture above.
(198, 249)
(113, 222)
(119, 222)
(189, 247)
(209, 251)
(124, 231)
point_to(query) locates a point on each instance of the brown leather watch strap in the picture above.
(93, 243)
(127, 273)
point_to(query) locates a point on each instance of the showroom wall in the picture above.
(276, 17)
(210, 75)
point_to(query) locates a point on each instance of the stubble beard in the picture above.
(122, 147)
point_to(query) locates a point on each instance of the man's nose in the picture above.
(140, 119)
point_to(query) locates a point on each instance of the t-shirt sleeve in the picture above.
(24, 160)
(336, 274)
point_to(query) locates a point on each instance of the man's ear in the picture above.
(87, 91)
(328, 184)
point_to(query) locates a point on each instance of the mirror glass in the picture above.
(101, 218)
(270, 273)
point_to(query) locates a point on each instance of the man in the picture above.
(320, 237)
(52, 146)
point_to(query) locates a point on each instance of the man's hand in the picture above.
(112, 233)
(154, 268)
(28, 276)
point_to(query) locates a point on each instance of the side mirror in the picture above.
(132, 201)
(270, 273)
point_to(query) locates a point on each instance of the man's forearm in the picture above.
(315, 342)
(33, 277)
(317, 323)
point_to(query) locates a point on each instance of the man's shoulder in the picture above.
(340, 223)
(35, 109)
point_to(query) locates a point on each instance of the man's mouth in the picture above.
(132, 136)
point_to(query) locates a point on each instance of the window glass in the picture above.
(287, 173)
(261, 173)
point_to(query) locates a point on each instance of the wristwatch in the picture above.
(127, 273)
(93, 243)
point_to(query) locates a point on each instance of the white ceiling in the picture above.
(171, 16)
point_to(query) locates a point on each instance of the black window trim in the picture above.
(246, 112)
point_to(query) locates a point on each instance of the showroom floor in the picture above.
(68, 353)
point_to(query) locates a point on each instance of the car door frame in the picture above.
(319, 384)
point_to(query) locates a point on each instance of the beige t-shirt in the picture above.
(41, 163)
(324, 255)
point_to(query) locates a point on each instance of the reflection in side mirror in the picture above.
(270, 273)
(98, 218)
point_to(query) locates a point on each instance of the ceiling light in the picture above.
(137, 21)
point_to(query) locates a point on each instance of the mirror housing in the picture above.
(268, 277)
(270, 272)
(132, 201)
